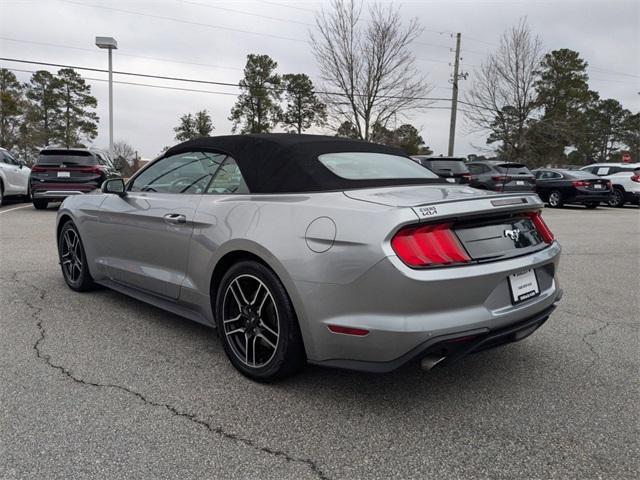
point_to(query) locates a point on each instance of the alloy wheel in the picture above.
(616, 198)
(72, 257)
(554, 199)
(250, 321)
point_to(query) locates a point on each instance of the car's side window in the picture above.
(188, 172)
(228, 179)
(555, 175)
(474, 169)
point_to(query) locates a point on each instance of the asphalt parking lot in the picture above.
(100, 385)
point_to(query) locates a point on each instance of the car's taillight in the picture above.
(635, 178)
(36, 169)
(429, 245)
(541, 227)
(580, 183)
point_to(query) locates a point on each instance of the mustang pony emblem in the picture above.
(512, 234)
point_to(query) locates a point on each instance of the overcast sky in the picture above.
(182, 38)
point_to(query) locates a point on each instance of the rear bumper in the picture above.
(592, 197)
(454, 346)
(60, 191)
(632, 197)
(407, 311)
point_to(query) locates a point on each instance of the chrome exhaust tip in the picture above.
(430, 361)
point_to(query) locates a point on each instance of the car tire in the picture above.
(592, 205)
(40, 204)
(555, 199)
(73, 260)
(1, 194)
(617, 198)
(257, 323)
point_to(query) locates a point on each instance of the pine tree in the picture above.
(194, 126)
(257, 109)
(563, 93)
(43, 90)
(10, 102)
(303, 107)
(78, 121)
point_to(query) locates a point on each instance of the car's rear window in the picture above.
(66, 157)
(452, 166)
(580, 174)
(373, 166)
(513, 168)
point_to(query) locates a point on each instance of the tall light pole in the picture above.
(110, 44)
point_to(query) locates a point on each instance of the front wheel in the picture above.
(257, 323)
(40, 204)
(617, 198)
(555, 199)
(73, 260)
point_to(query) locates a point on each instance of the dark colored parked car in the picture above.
(557, 187)
(61, 172)
(501, 176)
(452, 169)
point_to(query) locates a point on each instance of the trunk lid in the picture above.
(489, 225)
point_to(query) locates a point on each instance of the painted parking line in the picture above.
(15, 208)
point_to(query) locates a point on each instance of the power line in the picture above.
(166, 87)
(120, 54)
(241, 12)
(613, 72)
(208, 25)
(186, 22)
(193, 80)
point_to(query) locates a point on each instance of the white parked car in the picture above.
(625, 179)
(14, 176)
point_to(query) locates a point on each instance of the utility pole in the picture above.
(454, 98)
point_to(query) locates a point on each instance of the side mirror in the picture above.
(115, 186)
(22, 163)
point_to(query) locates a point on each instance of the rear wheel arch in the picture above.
(225, 263)
(238, 255)
(64, 219)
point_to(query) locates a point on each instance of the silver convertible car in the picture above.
(303, 248)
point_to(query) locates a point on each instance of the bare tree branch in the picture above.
(503, 97)
(368, 71)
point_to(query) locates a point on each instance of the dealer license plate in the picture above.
(519, 182)
(523, 286)
(598, 186)
(64, 174)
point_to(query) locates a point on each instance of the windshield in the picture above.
(59, 157)
(580, 174)
(373, 166)
(448, 166)
(513, 168)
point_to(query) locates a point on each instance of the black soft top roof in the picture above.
(288, 163)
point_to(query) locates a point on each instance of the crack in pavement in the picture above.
(595, 331)
(219, 431)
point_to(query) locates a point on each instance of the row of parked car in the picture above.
(59, 173)
(612, 183)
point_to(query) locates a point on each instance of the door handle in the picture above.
(175, 218)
